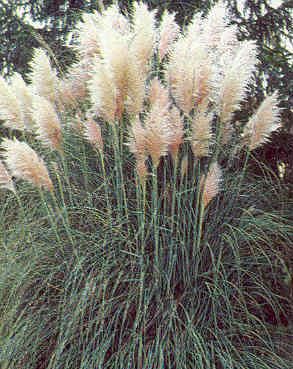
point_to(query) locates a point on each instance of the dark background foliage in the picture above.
(268, 25)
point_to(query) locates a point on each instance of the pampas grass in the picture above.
(266, 120)
(24, 96)
(237, 76)
(24, 163)
(48, 126)
(143, 28)
(169, 31)
(92, 132)
(201, 134)
(157, 132)
(189, 73)
(210, 184)
(9, 107)
(103, 92)
(176, 132)
(156, 247)
(42, 76)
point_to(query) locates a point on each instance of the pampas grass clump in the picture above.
(144, 241)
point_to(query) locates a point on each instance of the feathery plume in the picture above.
(210, 184)
(176, 132)
(116, 59)
(47, 123)
(128, 77)
(143, 28)
(201, 134)
(113, 19)
(157, 133)
(169, 30)
(92, 133)
(43, 77)
(10, 110)
(158, 94)
(103, 92)
(5, 178)
(137, 141)
(73, 88)
(135, 86)
(164, 130)
(237, 76)
(214, 24)
(89, 35)
(95, 27)
(228, 44)
(265, 121)
(189, 74)
(24, 163)
(194, 29)
(137, 145)
(24, 97)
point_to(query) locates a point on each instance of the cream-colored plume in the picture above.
(158, 94)
(10, 110)
(189, 73)
(135, 86)
(47, 123)
(169, 31)
(73, 89)
(201, 134)
(265, 121)
(120, 63)
(157, 122)
(116, 59)
(89, 35)
(237, 76)
(210, 184)
(176, 132)
(43, 77)
(24, 97)
(228, 44)
(137, 141)
(24, 163)
(157, 133)
(92, 133)
(5, 178)
(138, 146)
(103, 92)
(214, 24)
(194, 29)
(113, 19)
(95, 27)
(143, 29)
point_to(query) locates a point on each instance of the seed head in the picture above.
(10, 110)
(210, 184)
(265, 121)
(24, 163)
(47, 123)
